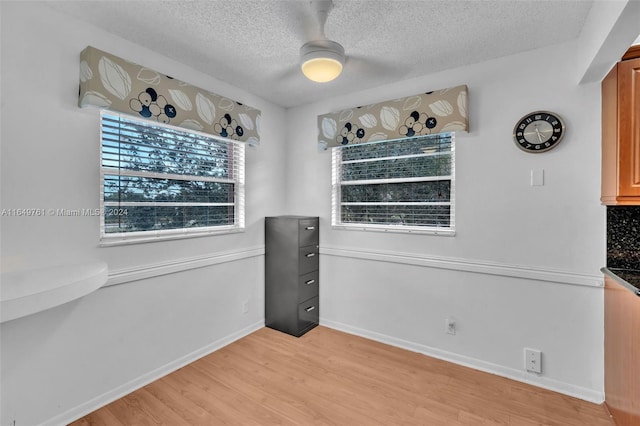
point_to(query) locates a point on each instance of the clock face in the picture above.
(539, 131)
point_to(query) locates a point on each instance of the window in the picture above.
(159, 181)
(403, 185)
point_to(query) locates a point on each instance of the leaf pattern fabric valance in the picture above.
(107, 81)
(425, 114)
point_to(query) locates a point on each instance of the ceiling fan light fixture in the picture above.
(321, 70)
(322, 60)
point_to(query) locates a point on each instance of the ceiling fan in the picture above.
(321, 59)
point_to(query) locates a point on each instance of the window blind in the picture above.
(402, 184)
(161, 180)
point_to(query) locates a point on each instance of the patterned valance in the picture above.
(107, 81)
(425, 114)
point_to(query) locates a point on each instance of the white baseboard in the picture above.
(139, 382)
(586, 394)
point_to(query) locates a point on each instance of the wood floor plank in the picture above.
(179, 399)
(327, 377)
(103, 417)
(229, 403)
(265, 388)
(435, 413)
(291, 385)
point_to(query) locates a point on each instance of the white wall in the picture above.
(53, 363)
(508, 232)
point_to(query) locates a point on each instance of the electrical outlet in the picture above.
(245, 306)
(533, 360)
(450, 326)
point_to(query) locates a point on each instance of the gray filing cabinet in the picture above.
(291, 273)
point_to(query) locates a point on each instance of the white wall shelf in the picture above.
(27, 292)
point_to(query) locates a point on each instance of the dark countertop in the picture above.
(628, 278)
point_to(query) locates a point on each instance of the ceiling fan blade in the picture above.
(372, 67)
(289, 73)
(301, 21)
(321, 8)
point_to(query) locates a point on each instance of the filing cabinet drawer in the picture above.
(307, 259)
(308, 286)
(308, 232)
(308, 313)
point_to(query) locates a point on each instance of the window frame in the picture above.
(238, 160)
(336, 196)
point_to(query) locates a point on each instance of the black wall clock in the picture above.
(538, 131)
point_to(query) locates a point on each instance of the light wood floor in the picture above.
(327, 377)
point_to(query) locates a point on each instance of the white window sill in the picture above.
(121, 239)
(445, 232)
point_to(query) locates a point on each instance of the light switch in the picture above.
(537, 177)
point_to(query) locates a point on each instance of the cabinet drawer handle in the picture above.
(310, 254)
(310, 308)
(310, 228)
(310, 282)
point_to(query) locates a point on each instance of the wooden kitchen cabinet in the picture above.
(621, 133)
(622, 353)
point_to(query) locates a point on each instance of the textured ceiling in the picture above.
(255, 44)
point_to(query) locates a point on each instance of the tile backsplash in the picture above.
(623, 237)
